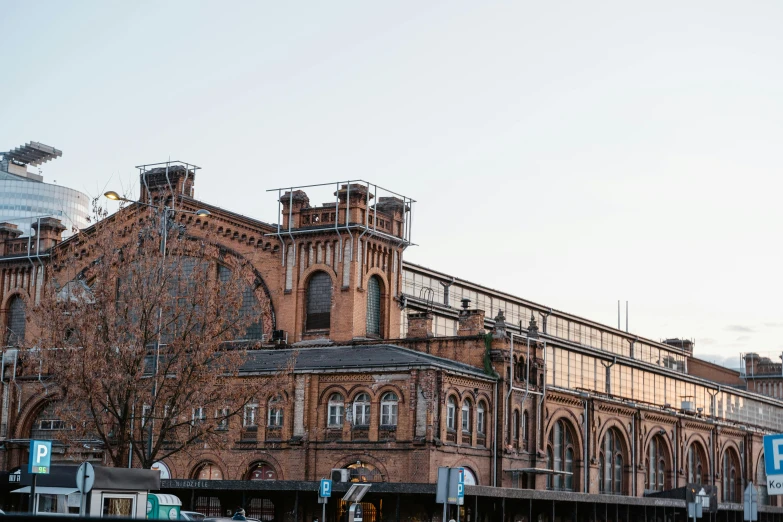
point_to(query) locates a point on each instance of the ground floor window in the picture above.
(261, 508)
(118, 506)
(210, 506)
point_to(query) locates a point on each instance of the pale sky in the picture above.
(571, 153)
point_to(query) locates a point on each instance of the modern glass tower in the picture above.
(24, 196)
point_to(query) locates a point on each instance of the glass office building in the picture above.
(23, 200)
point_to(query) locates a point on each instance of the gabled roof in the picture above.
(373, 357)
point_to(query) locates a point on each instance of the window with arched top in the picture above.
(732, 478)
(610, 464)
(336, 410)
(319, 302)
(208, 471)
(656, 462)
(364, 472)
(275, 415)
(514, 427)
(480, 418)
(389, 409)
(249, 309)
(261, 471)
(696, 464)
(361, 410)
(525, 422)
(560, 457)
(374, 307)
(451, 414)
(467, 408)
(17, 321)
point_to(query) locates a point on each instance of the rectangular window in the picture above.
(450, 414)
(336, 415)
(145, 414)
(222, 419)
(275, 417)
(361, 414)
(480, 421)
(118, 506)
(249, 420)
(389, 414)
(199, 415)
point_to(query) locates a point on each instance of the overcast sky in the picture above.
(573, 154)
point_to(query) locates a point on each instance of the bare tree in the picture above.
(144, 329)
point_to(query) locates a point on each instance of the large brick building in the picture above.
(401, 369)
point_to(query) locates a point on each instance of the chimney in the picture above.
(7, 231)
(50, 234)
(471, 322)
(174, 179)
(420, 325)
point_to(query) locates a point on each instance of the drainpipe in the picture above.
(495, 437)
(586, 445)
(540, 411)
(676, 448)
(633, 454)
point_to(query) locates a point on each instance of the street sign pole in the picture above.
(39, 461)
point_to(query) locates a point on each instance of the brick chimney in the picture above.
(50, 234)
(8, 231)
(420, 325)
(471, 322)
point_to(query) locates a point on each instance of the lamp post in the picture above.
(114, 196)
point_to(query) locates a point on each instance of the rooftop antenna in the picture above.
(626, 317)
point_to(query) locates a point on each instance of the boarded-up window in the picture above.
(374, 307)
(16, 321)
(319, 302)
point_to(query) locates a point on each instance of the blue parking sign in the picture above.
(40, 456)
(773, 462)
(325, 490)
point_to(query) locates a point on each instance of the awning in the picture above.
(47, 490)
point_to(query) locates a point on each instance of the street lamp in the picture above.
(114, 196)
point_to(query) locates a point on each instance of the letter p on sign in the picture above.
(773, 462)
(40, 456)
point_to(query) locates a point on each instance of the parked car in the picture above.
(192, 515)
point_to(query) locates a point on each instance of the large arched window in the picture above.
(208, 471)
(48, 425)
(467, 408)
(16, 321)
(610, 464)
(336, 410)
(361, 410)
(560, 457)
(656, 463)
(696, 464)
(261, 471)
(732, 479)
(389, 409)
(525, 422)
(249, 309)
(364, 472)
(374, 307)
(319, 302)
(451, 414)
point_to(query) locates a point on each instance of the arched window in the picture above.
(48, 425)
(336, 410)
(610, 464)
(208, 471)
(16, 321)
(761, 480)
(361, 410)
(656, 464)
(525, 428)
(732, 486)
(515, 427)
(276, 412)
(389, 409)
(319, 302)
(250, 307)
(467, 407)
(374, 307)
(696, 464)
(262, 471)
(480, 421)
(560, 457)
(451, 414)
(364, 472)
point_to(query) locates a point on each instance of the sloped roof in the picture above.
(373, 357)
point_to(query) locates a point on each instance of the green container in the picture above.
(162, 506)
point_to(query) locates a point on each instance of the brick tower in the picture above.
(342, 263)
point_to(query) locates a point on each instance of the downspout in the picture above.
(633, 454)
(586, 449)
(495, 438)
(539, 435)
(676, 447)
